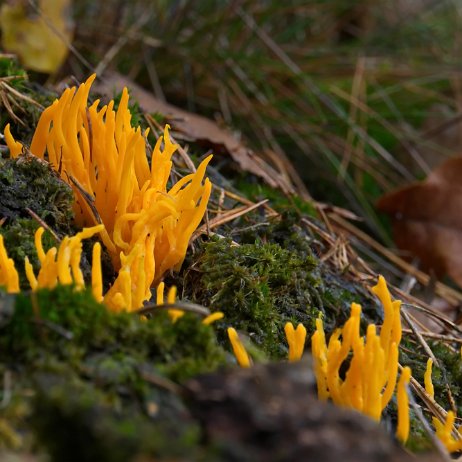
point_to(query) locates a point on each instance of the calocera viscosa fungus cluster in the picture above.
(147, 225)
(57, 265)
(370, 381)
(62, 266)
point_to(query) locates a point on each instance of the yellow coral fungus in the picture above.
(428, 379)
(402, 429)
(296, 340)
(446, 432)
(9, 278)
(57, 266)
(171, 298)
(240, 353)
(213, 317)
(370, 380)
(61, 265)
(147, 226)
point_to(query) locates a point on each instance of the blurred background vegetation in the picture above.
(362, 96)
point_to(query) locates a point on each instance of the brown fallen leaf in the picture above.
(205, 131)
(427, 219)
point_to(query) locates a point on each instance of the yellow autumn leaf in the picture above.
(39, 36)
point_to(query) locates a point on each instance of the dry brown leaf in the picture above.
(427, 219)
(202, 130)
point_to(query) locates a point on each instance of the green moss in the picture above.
(271, 277)
(448, 376)
(259, 287)
(74, 422)
(30, 184)
(418, 440)
(80, 368)
(10, 67)
(71, 325)
(19, 242)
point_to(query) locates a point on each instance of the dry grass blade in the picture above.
(433, 407)
(226, 217)
(185, 306)
(9, 109)
(419, 336)
(88, 198)
(419, 305)
(8, 88)
(42, 223)
(441, 337)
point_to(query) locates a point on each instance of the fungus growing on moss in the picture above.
(9, 277)
(296, 340)
(171, 298)
(428, 379)
(445, 431)
(402, 429)
(57, 266)
(370, 380)
(62, 266)
(369, 383)
(147, 226)
(239, 350)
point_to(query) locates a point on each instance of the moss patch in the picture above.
(28, 184)
(109, 377)
(273, 276)
(259, 287)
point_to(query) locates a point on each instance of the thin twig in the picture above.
(184, 306)
(42, 223)
(419, 337)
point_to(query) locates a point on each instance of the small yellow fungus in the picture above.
(62, 266)
(57, 266)
(446, 432)
(171, 299)
(147, 224)
(9, 277)
(96, 273)
(240, 353)
(428, 379)
(213, 317)
(402, 430)
(296, 340)
(370, 379)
